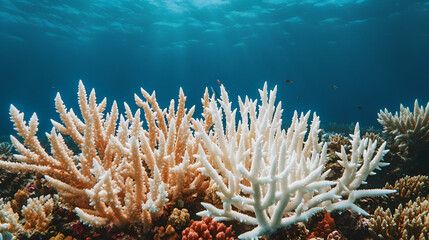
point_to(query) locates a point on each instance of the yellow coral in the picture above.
(179, 218)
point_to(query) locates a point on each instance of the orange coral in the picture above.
(324, 227)
(207, 229)
(168, 233)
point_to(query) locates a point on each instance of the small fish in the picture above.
(219, 82)
(214, 92)
(335, 86)
(288, 81)
(360, 107)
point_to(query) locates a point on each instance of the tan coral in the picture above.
(124, 173)
(409, 222)
(409, 188)
(179, 218)
(407, 126)
(38, 213)
(336, 141)
(61, 236)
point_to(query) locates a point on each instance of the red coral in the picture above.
(324, 227)
(207, 229)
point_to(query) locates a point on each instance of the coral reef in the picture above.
(122, 175)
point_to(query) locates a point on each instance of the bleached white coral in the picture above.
(8, 218)
(278, 176)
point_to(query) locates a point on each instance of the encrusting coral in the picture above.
(127, 171)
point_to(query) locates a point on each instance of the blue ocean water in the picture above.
(344, 59)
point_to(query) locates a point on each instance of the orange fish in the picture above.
(288, 81)
(335, 87)
(360, 107)
(219, 82)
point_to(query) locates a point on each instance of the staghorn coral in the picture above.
(8, 218)
(123, 173)
(38, 213)
(207, 228)
(409, 222)
(126, 171)
(273, 178)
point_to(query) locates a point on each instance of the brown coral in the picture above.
(409, 188)
(19, 200)
(168, 233)
(336, 141)
(409, 222)
(207, 228)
